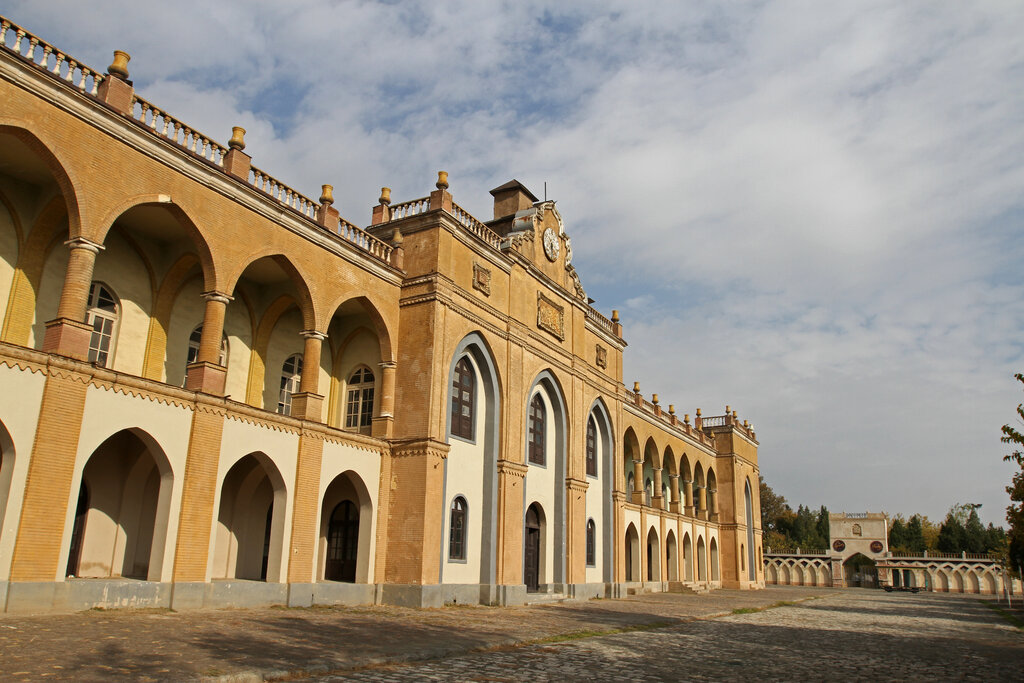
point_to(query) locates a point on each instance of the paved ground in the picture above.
(854, 633)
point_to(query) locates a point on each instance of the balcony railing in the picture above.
(37, 51)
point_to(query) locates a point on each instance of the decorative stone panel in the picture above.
(550, 316)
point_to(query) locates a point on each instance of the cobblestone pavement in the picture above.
(252, 644)
(855, 633)
(848, 635)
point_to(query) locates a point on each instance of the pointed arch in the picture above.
(547, 384)
(606, 467)
(58, 170)
(303, 296)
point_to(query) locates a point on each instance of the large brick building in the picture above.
(218, 391)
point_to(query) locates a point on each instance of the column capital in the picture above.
(388, 364)
(84, 243)
(313, 334)
(218, 297)
(673, 476)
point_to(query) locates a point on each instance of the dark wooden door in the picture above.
(343, 543)
(532, 578)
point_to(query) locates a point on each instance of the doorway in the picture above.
(531, 568)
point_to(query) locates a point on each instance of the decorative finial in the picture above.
(671, 409)
(734, 414)
(745, 425)
(686, 418)
(327, 195)
(397, 238)
(727, 410)
(615, 316)
(237, 140)
(385, 196)
(636, 387)
(654, 399)
(119, 67)
(442, 180)
(698, 412)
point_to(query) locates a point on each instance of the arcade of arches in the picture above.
(220, 392)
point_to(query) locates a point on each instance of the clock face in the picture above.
(551, 244)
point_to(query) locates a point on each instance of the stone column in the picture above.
(384, 422)
(699, 508)
(657, 500)
(637, 494)
(673, 485)
(688, 502)
(206, 374)
(68, 334)
(307, 404)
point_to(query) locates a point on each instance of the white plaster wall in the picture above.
(108, 412)
(464, 475)
(19, 411)
(285, 340)
(540, 488)
(120, 267)
(240, 439)
(186, 315)
(359, 463)
(48, 297)
(238, 327)
(595, 502)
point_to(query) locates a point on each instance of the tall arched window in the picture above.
(591, 447)
(359, 403)
(457, 530)
(537, 417)
(648, 490)
(103, 315)
(291, 375)
(194, 340)
(591, 543)
(463, 390)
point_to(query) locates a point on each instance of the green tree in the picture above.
(898, 535)
(974, 541)
(823, 530)
(915, 535)
(1015, 511)
(952, 534)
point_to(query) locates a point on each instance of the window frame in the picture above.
(536, 442)
(591, 447)
(290, 383)
(462, 409)
(458, 512)
(94, 313)
(359, 411)
(591, 555)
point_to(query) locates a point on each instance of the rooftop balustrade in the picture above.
(17, 41)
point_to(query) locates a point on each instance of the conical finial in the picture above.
(442, 180)
(237, 140)
(397, 238)
(385, 196)
(636, 387)
(327, 195)
(119, 67)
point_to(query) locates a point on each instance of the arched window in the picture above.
(591, 447)
(591, 543)
(536, 445)
(463, 395)
(629, 484)
(291, 374)
(457, 530)
(103, 314)
(194, 340)
(359, 404)
(648, 491)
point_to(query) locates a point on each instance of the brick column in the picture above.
(304, 532)
(68, 334)
(673, 485)
(637, 494)
(688, 502)
(511, 479)
(206, 374)
(576, 531)
(384, 422)
(308, 404)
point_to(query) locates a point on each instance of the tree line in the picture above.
(785, 530)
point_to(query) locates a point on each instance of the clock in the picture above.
(551, 244)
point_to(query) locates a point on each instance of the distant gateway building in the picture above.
(217, 391)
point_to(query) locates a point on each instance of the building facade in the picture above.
(218, 391)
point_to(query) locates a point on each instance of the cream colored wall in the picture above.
(48, 297)
(238, 328)
(595, 509)
(238, 440)
(285, 340)
(108, 412)
(339, 459)
(540, 487)
(186, 315)
(363, 349)
(19, 412)
(120, 267)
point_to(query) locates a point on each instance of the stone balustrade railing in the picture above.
(476, 227)
(275, 188)
(599, 320)
(715, 421)
(410, 208)
(166, 126)
(64, 67)
(364, 240)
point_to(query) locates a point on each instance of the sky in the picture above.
(809, 211)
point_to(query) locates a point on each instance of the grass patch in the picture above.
(1012, 618)
(752, 610)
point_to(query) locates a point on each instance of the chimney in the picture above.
(510, 198)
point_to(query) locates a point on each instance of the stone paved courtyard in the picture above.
(855, 634)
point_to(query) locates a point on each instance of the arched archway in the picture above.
(533, 548)
(250, 523)
(713, 557)
(687, 558)
(671, 556)
(860, 571)
(7, 456)
(748, 514)
(602, 498)
(632, 553)
(653, 556)
(702, 559)
(346, 530)
(120, 524)
(630, 455)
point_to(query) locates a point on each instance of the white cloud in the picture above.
(809, 210)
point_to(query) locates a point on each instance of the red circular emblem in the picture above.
(876, 546)
(838, 546)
